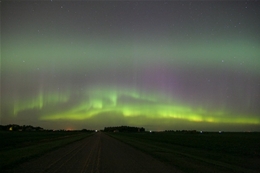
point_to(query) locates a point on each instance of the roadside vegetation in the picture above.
(17, 147)
(207, 152)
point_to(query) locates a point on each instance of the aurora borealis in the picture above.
(159, 65)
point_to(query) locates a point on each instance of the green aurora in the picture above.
(73, 66)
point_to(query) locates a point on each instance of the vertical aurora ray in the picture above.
(40, 101)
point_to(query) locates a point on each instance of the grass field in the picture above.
(17, 147)
(207, 152)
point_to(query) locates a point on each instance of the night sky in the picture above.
(158, 65)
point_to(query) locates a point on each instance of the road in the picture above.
(98, 153)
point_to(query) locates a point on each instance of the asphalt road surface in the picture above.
(98, 153)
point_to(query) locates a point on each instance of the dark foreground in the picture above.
(97, 153)
(200, 153)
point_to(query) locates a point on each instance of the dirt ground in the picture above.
(96, 154)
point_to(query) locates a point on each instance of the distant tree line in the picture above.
(124, 129)
(15, 127)
(86, 130)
